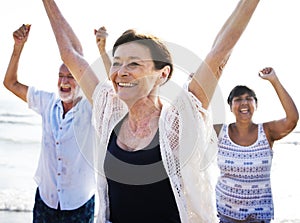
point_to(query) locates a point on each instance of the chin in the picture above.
(69, 97)
(66, 98)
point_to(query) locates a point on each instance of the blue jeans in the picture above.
(44, 214)
(250, 219)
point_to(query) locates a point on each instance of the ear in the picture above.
(164, 74)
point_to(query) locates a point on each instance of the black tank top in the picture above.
(139, 189)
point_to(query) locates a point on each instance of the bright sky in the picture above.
(271, 39)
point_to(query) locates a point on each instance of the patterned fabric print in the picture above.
(250, 219)
(44, 214)
(244, 186)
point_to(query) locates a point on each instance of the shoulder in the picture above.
(35, 95)
(266, 128)
(103, 86)
(84, 102)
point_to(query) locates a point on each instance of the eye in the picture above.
(133, 64)
(116, 64)
(67, 76)
(237, 99)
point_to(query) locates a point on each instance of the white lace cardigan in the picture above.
(188, 145)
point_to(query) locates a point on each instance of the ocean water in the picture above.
(20, 134)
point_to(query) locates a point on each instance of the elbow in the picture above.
(7, 84)
(11, 86)
(293, 121)
(295, 118)
(4, 83)
(67, 56)
(217, 60)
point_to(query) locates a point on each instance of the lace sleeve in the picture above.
(107, 110)
(189, 144)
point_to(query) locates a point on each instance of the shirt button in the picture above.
(57, 143)
(58, 174)
(59, 159)
(58, 190)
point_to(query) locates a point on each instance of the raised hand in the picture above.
(101, 36)
(21, 34)
(268, 73)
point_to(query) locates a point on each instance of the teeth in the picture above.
(126, 84)
(65, 86)
(244, 110)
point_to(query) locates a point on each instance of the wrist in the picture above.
(18, 47)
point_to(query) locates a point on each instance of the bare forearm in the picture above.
(11, 72)
(64, 34)
(106, 61)
(70, 49)
(287, 102)
(11, 76)
(235, 24)
(206, 77)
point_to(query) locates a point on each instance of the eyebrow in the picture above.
(69, 74)
(248, 96)
(131, 58)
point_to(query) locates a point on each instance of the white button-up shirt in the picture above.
(65, 171)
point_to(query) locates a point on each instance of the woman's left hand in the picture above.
(268, 73)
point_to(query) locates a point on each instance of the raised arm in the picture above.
(205, 80)
(11, 76)
(70, 49)
(101, 35)
(277, 129)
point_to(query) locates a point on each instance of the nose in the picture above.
(123, 71)
(64, 79)
(244, 101)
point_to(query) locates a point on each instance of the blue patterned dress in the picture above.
(244, 188)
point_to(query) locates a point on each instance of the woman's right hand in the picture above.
(21, 34)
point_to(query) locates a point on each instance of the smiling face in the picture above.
(243, 106)
(133, 74)
(68, 89)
